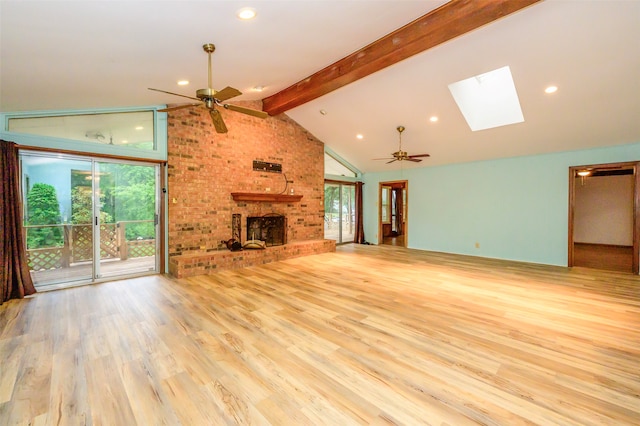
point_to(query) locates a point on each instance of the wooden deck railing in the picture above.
(77, 245)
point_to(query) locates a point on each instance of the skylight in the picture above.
(488, 100)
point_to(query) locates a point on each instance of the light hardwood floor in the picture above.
(366, 335)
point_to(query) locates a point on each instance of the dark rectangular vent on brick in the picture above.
(270, 228)
(263, 166)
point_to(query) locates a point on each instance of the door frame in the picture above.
(573, 170)
(405, 186)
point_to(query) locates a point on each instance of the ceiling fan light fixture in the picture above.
(401, 155)
(211, 98)
(246, 13)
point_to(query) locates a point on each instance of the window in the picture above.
(336, 168)
(137, 133)
(130, 129)
(385, 205)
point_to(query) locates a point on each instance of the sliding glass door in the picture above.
(339, 211)
(87, 219)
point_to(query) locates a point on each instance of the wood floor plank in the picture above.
(106, 393)
(366, 335)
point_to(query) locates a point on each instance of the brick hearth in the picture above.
(189, 265)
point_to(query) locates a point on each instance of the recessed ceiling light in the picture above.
(359, 136)
(246, 13)
(323, 112)
(433, 119)
(139, 128)
(551, 89)
(258, 88)
(183, 82)
(488, 100)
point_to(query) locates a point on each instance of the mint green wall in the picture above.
(515, 208)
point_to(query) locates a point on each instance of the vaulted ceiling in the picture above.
(315, 56)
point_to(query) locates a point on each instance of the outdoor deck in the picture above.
(81, 272)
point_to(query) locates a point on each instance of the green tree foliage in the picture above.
(130, 196)
(43, 209)
(127, 193)
(81, 205)
(331, 203)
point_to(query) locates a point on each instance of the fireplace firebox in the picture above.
(270, 228)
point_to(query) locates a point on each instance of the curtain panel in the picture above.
(15, 279)
(358, 236)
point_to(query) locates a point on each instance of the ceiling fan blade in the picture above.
(254, 112)
(174, 94)
(227, 93)
(419, 155)
(178, 107)
(415, 160)
(218, 123)
(389, 162)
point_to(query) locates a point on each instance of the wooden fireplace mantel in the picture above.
(265, 197)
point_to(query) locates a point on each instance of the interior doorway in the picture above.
(393, 200)
(604, 217)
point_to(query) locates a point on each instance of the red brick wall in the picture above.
(204, 167)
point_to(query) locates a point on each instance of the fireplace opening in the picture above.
(269, 228)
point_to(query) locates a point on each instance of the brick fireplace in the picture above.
(205, 168)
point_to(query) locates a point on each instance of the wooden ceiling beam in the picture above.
(451, 20)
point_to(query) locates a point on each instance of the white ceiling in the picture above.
(96, 54)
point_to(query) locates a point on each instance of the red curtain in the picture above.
(15, 280)
(358, 237)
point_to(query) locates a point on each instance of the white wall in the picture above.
(603, 210)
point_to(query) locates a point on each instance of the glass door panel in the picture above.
(348, 210)
(126, 196)
(332, 211)
(57, 218)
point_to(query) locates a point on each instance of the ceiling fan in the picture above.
(210, 98)
(401, 155)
